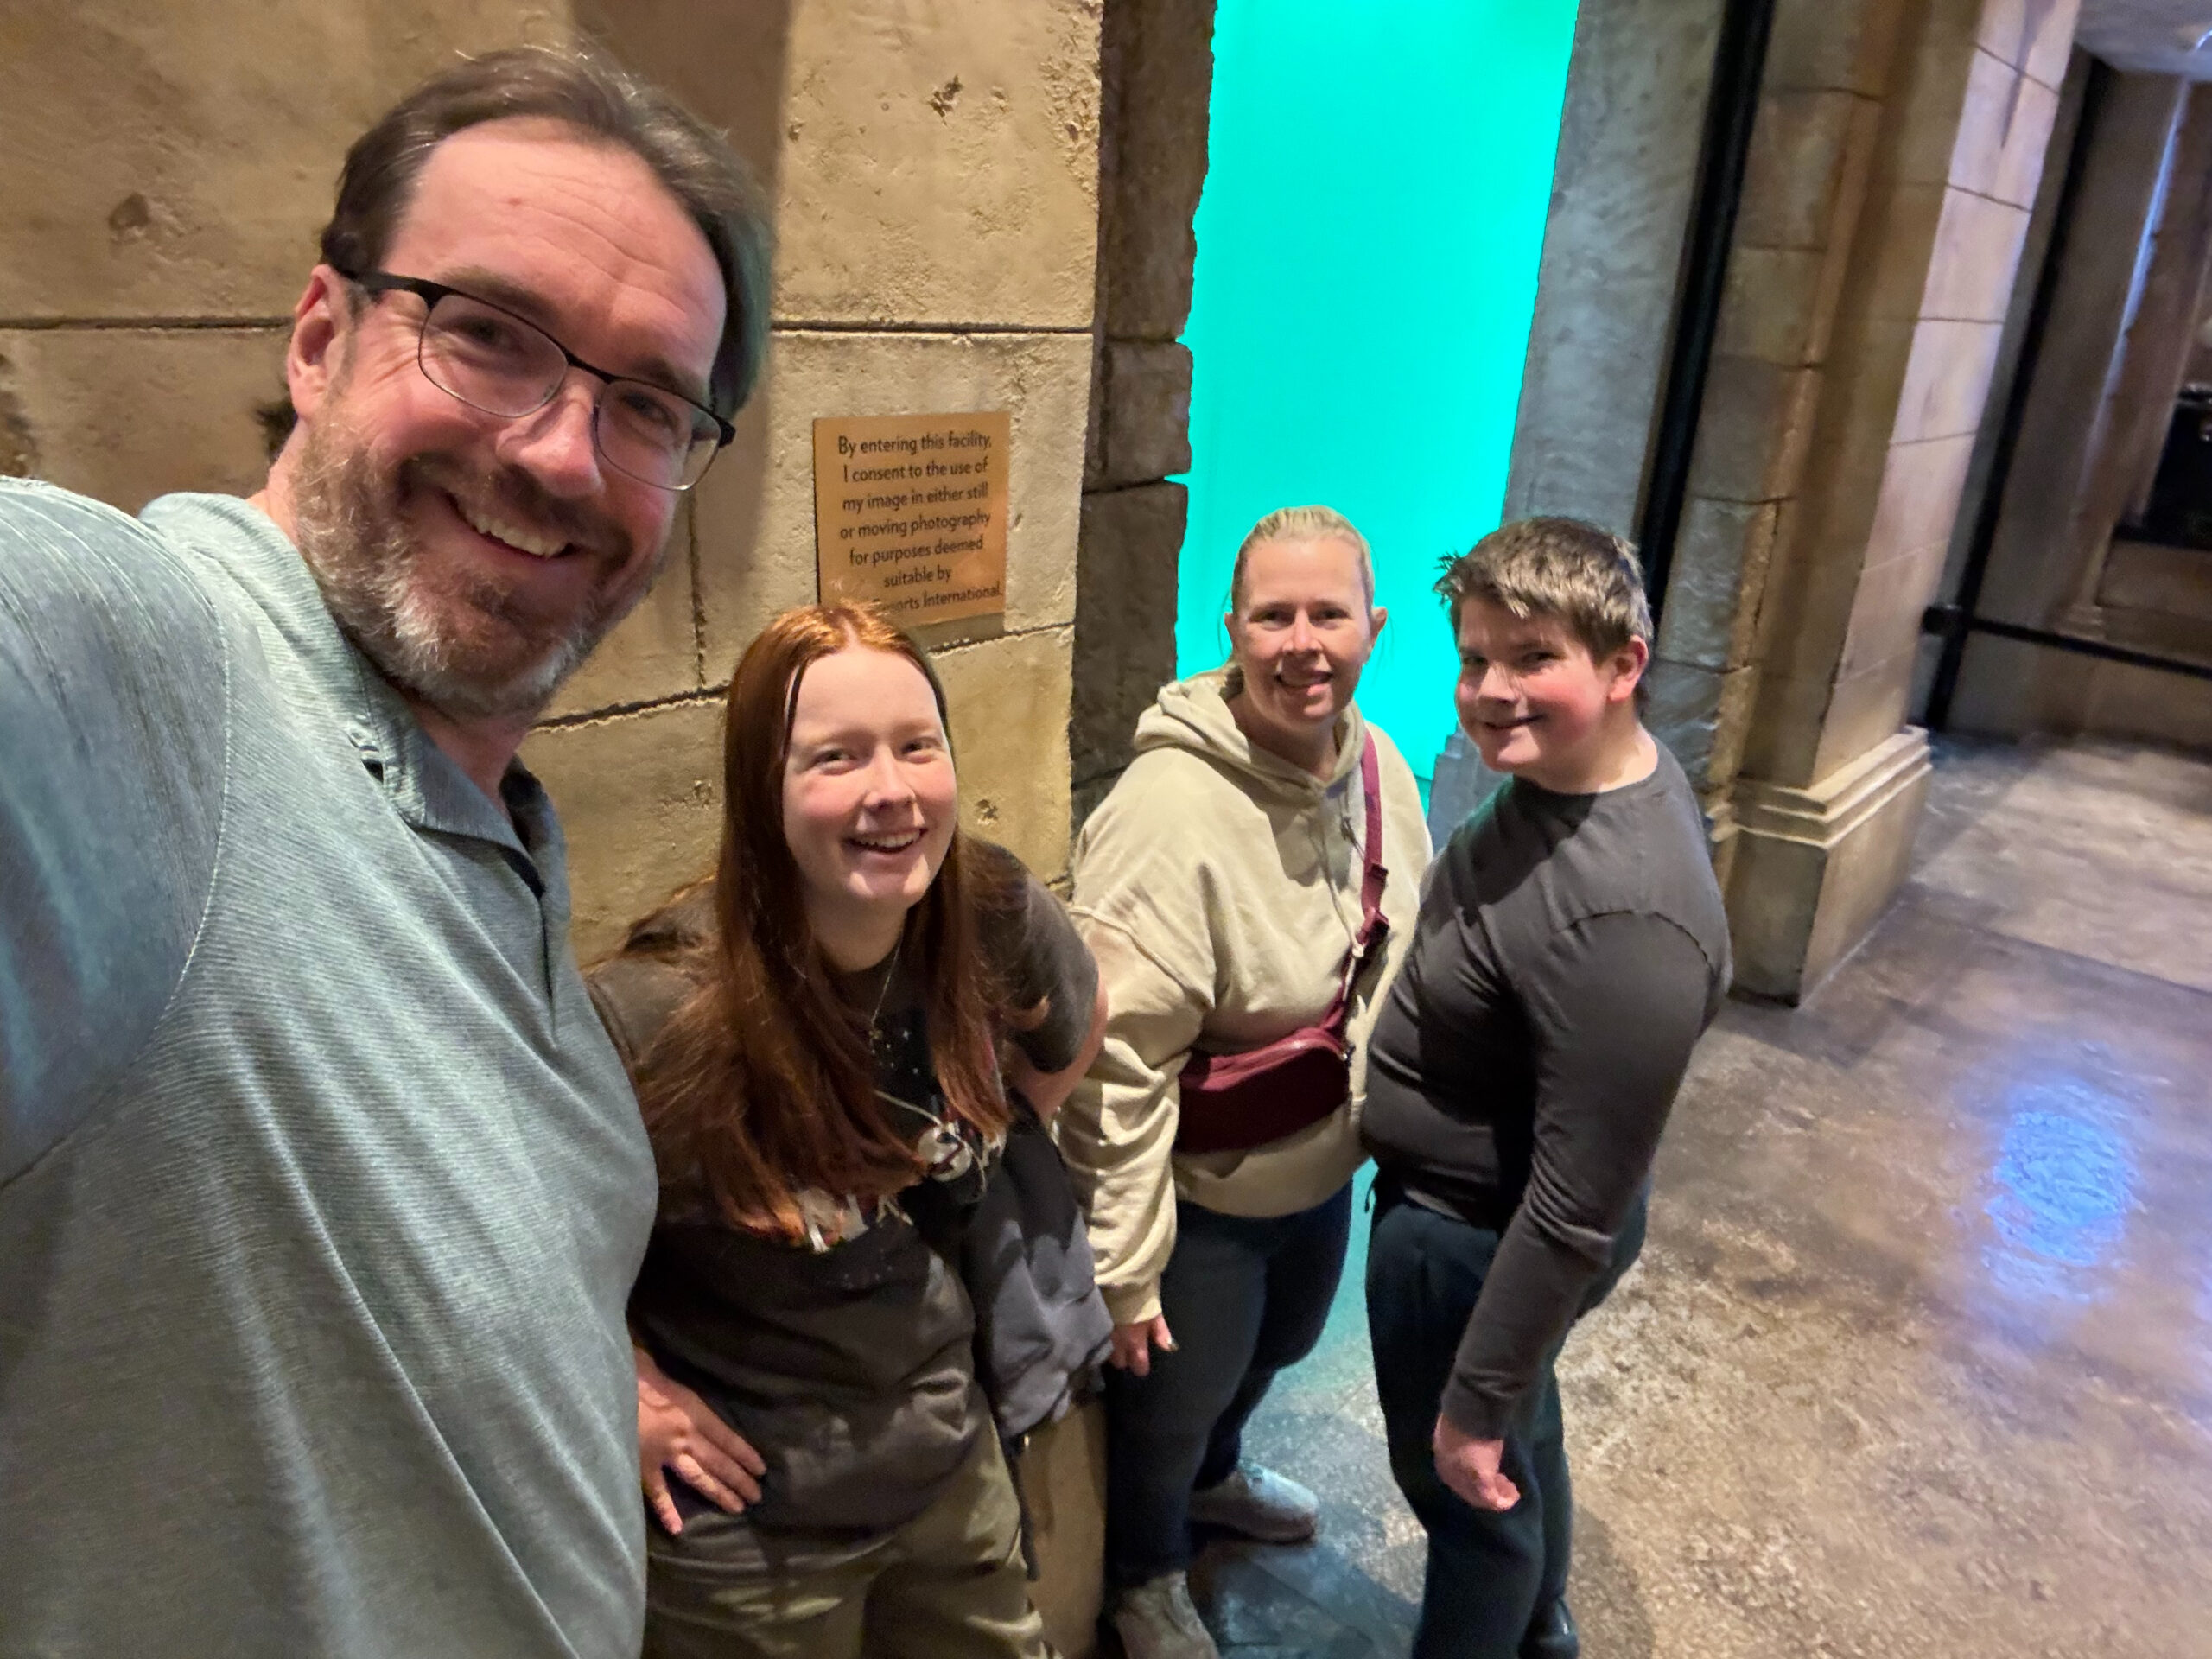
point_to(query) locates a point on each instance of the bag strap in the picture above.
(1372, 882)
(1370, 892)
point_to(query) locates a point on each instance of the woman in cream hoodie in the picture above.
(1219, 886)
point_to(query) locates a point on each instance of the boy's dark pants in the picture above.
(1245, 1296)
(1488, 1573)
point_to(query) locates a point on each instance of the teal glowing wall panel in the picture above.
(1369, 238)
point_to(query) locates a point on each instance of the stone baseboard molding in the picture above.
(1813, 869)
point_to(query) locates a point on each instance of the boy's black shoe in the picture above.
(1552, 1634)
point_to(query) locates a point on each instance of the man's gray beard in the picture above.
(355, 543)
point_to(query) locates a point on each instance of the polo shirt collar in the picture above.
(427, 786)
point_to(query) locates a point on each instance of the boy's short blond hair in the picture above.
(1586, 576)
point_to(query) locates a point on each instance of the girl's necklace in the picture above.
(890, 973)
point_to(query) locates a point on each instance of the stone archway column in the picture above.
(1894, 168)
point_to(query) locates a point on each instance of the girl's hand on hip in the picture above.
(677, 1430)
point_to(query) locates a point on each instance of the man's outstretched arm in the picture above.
(114, 702)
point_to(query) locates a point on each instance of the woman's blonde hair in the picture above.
(1312, 524)
(1300, 525)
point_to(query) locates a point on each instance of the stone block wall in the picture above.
(161, 190)
(1622, 186)
(935, 171)
(1953, 173)
(1895, 161)
(2130, 265)
(1805, 183)
(1156, 65)
(935, 175)
(1896, 151)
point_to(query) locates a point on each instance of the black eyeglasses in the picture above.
(493, 360)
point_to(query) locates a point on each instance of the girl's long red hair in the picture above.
(762, 1085)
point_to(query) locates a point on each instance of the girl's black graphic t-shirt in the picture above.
(848, 1362)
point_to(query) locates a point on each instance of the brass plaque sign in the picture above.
(909, 512)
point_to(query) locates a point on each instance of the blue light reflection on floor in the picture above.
(2061, 1190)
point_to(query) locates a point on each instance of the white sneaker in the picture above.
(1261, 1504)
(1155, 1620)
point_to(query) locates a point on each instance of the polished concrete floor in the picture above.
(1918, 1359)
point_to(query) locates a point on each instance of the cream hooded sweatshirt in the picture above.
(1219, 887)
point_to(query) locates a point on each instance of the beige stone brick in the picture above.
(1863, 710)
(1814, 611)
(2004, 129)
(1973, 148)
(1900, 234)
(1147, 411)
(1919, 500)
(128, 414)
(727, 62)
(1124, 619)
(1795, 175)
(177, 161)
(639, 797)
(1835, 45)
(1945, 379)
(1702, 715)
(1769, 310)
(1752, 430)
(1785, 730)
(1859, 412)
(1885, 617)
(1810, 881)
(1862, 149)
(2008, 688)
(653, 653)
(1009, 699)
(939, 163)
(1977, 254)
(756, 508)
(2018, 173)
(2036, 35)
(1094, 423)
(1921, 113)
(1714, 584)
(1158, 61)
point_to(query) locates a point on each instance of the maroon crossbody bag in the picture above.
(1232, 1103)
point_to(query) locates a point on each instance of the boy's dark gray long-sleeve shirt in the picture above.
(1570, 950)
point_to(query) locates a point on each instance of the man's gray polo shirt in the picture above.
(321, 1189)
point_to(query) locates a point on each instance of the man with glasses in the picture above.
(321, 1190)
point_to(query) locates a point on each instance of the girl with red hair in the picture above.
(831, 1038)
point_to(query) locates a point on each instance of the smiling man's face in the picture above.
(478, 560)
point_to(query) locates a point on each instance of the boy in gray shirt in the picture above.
(1571, 949)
